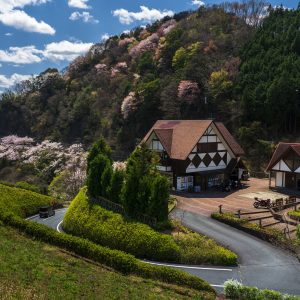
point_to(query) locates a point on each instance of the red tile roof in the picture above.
(281, 150)
(179, 137)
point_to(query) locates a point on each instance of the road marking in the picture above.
(217, 285)
(57, 227)
(187, 267)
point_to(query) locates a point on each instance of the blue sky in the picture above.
(37, 34)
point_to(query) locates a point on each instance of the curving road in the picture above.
(260, 263)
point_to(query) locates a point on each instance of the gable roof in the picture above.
(281, 150)
(179, 137)
(231, 141)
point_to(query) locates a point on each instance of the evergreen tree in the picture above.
(158, 207)
(106, 180)
(116, 184)
(100, 147)
(95, 172)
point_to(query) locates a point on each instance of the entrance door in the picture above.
(290, 181)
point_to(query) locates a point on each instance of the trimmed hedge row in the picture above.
(295, 215)
(268, 234)
(115, 259)
(109, 229)
(22, 202)
(234, 290)
(112, 230)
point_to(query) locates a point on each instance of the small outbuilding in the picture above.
(285, 162)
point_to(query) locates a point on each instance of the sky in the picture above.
(38, 34)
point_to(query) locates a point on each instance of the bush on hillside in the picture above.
(113, 230)
(27, 186)
(236, 291)
(115, 259)
(22, 202)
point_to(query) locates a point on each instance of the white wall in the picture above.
(280, 179)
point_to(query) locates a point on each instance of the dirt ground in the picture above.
(205, 203)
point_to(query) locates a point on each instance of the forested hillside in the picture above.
(212, 63)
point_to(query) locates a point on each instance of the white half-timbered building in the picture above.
(285, 162)
(198, 153)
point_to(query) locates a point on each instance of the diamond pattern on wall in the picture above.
(196, 161)
(217, 159)
(207, 160)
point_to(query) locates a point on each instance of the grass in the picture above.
(21, 202)
(35, 270)
(295, 214)
(114, 231)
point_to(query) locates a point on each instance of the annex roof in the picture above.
(281, 150)
(179, 137)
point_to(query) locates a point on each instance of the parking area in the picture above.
(206, 203)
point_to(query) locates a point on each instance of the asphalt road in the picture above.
(260, 263)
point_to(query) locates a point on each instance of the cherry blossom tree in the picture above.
(188, 91)
(129, 105)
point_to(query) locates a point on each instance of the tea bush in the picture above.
(118, 260)
(115, 231)
(21, 202)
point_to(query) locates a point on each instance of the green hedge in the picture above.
(112, 230)
(116, 232)
(234, 290)
(294, 214)
(268, 234)
(21, 202)
(115, 259)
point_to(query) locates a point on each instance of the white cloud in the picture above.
(19, 19)
(7, 5)
(198, 3)
(145, 15)
(8, 34)
(127, 31)
(59, 51)
(105, 37)
(84, 16)
(65, 50)
(82, 4)
(21, 55)
(9, 81)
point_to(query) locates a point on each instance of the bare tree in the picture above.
(251, 11)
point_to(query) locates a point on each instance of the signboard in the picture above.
(184, 183)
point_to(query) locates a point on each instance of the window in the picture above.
(156, 145)
(207, 147)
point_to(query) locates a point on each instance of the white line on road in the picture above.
(188, 267)
(58, 225)
(217, 285)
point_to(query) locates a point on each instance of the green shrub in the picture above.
(115, 259)
(114, 231)
(27, 186)
(294, 214)
(22, 202)
(234, 290)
